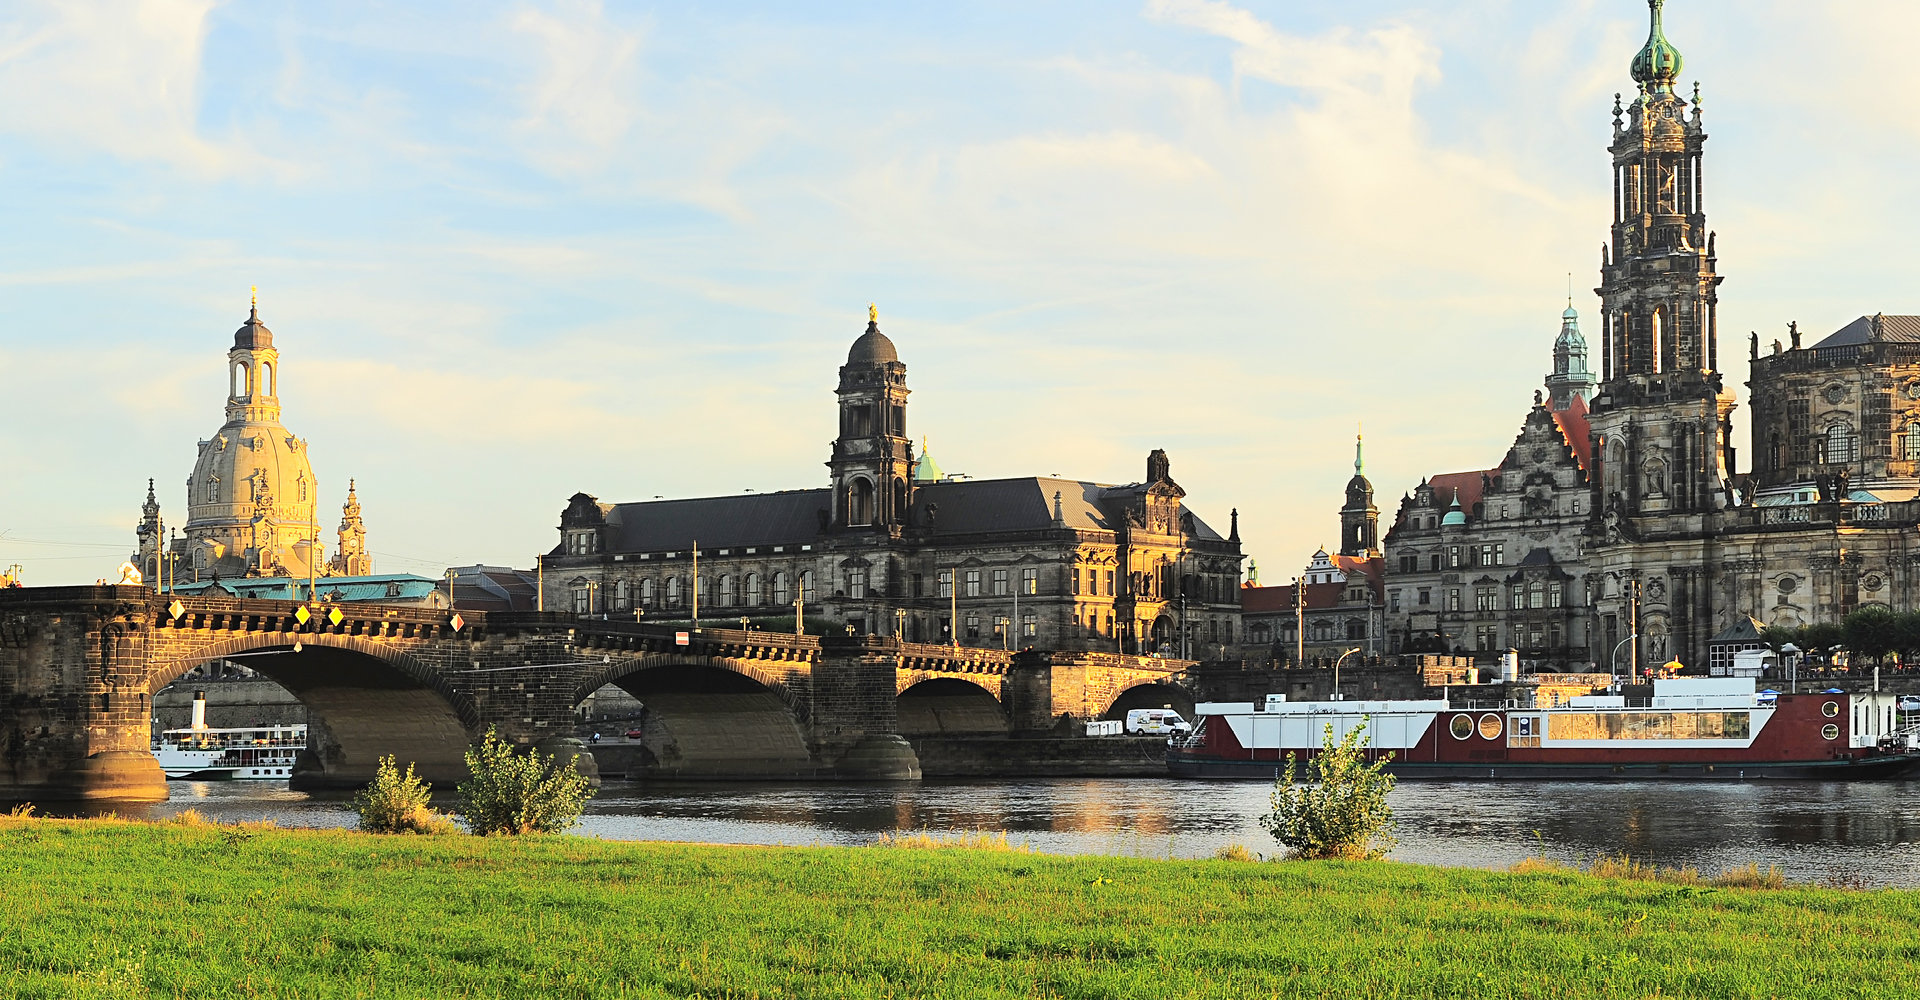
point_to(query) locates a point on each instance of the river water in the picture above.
(1837, 832)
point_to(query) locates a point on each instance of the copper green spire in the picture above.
(1658, 63)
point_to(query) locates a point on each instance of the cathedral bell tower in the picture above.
(1660, 418)
(1359, 518)
(872, 463)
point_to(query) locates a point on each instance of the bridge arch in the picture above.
(367, 699)
(1153, 694)
(709, 716)
(939, 706)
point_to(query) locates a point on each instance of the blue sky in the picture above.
(515, 251)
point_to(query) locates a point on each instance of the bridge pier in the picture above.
(855, 710)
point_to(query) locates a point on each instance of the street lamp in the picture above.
(1613, 662)
(1336, 670)
(1792, 653)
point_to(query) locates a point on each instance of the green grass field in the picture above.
(113, 909)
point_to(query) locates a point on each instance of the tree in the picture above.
(1341, 811)
(398, 803)
(1872, 631)
(513, 793)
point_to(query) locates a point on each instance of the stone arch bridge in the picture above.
(79, 667)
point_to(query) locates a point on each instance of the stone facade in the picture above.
(1491, 560)
(890, 547)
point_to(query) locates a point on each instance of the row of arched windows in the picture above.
(725, 590)
(242, 381)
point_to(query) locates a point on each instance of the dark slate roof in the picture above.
(1538, 557)
(1025, 504)
(1743, 629)
(1900, 329)
(717, 522)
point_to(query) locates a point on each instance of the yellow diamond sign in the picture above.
(302, 615)
(335, 616)
(176, 609)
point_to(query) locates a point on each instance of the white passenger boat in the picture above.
(241, 753)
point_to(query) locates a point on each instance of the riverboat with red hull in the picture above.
(1701, 728)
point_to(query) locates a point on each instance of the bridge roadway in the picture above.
(79, 666)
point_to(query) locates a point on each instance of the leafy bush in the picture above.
(512, 793)
(1341, 810)
(972, 840)
(397, 803)
(1233, 852)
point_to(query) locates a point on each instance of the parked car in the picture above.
(634, 734)
(1908, 703)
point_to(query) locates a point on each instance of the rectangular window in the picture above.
(1453, 600)
(1029, 625)
(1074, 576)
(1553, 635)
(973, 583)
(1029, 581)
(1409, 564)
(807, 593)
(1109, 594)
(1798, 425)
(999, 581)
(1483, 598)
(857, 584)
(1576, 505)
(1426, 594)
(1393, 600)
(1453, 557)
(919, 589)
(973, 626)
(1553, 595)
(946, 583)
(1435, 560)
(1649, 726)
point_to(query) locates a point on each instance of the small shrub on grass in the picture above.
(1341, 810)
(1234, 852)
(512, 793)
(398, 803)
(1751, 876)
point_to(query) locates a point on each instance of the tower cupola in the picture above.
(872, 461)
(1657, 64)
(1359, 518)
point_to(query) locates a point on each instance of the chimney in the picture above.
(199, 710)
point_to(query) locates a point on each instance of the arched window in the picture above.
(753, 590)
(646, 593)
(622, 596)
(213, 489)
(266, 378)
(899, 498)
(782, 591)
(806, 586)
(673, 591)
(1659, 317)
(303, 489)
(860, 503)
(1840, 443)
(724, 597)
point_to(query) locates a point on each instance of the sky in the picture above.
(515, 251)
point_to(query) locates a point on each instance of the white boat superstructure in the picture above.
(240, 753)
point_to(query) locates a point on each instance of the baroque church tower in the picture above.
(1571, 377)
(1359, 518)
(1661, 416)
(872, 462)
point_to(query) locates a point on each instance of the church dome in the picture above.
(1454, 514)
(873, 347)
(1657, 64)
(253, 334)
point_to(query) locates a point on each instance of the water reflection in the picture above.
(1868, 830)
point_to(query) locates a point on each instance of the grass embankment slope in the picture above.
(111, 909)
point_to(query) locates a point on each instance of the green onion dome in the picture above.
(1657, 64)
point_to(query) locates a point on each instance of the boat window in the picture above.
(1648, 725)
(1489, 726)
(1461, 727)
(1830, 709)
(1830, 731)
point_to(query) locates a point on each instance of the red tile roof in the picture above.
(1374, 569)
(1574, 427)
(1269, 599)
(1468, 483)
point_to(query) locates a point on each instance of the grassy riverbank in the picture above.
(112, 909)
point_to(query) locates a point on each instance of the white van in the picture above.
(1156, 722)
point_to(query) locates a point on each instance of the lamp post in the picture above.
(1613, 662)
(1792, 653)
(1336, 670)
(900, 624)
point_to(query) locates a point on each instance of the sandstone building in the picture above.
(252, 499)
(890, 546)
(1623, 535)
(1337, 604)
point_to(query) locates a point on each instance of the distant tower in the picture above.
(872, 461)
(147, 532)
(1570, 377)
(352, 558)
(1359, 519)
